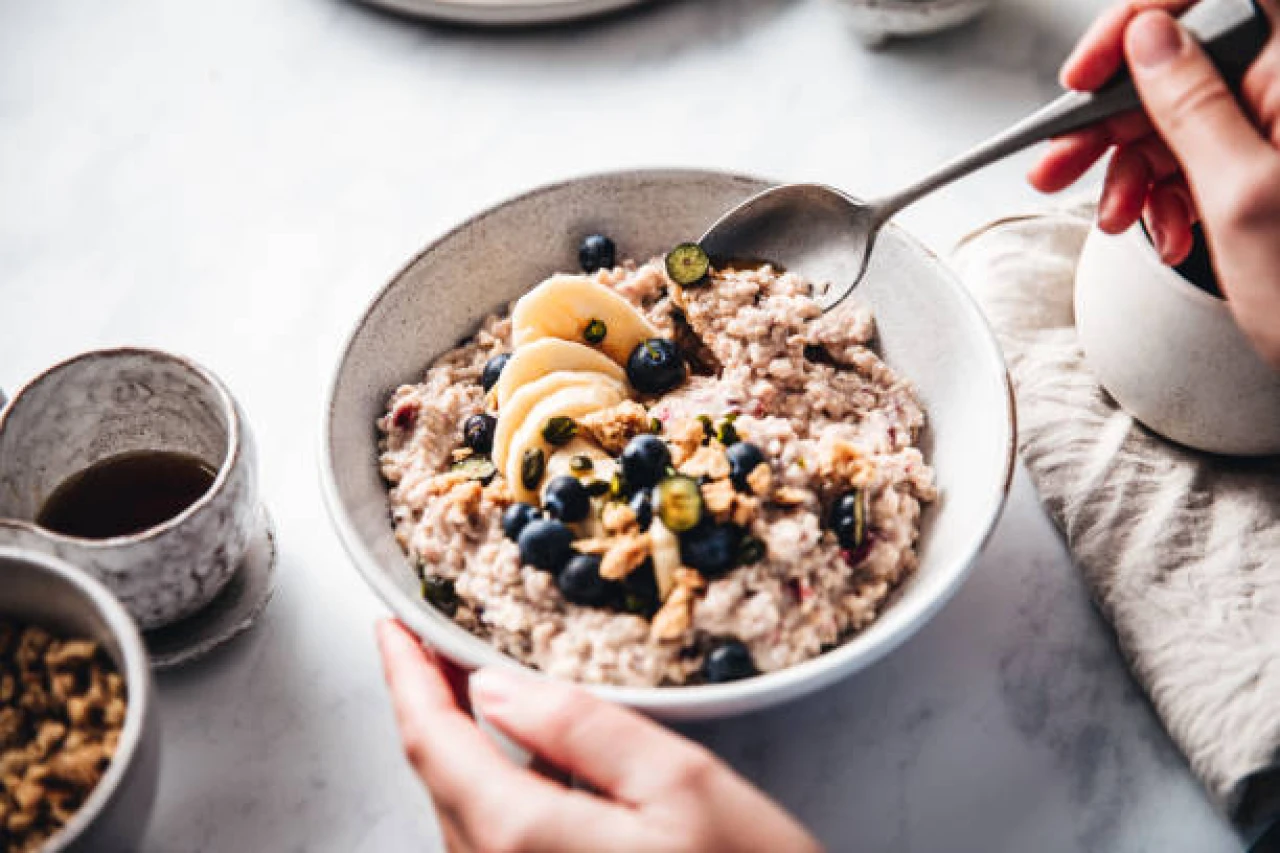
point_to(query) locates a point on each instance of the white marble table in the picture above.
(234, 179)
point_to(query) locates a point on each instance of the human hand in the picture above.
(659, 792)
(1195, 154)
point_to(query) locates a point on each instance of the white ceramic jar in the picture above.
(1171, 354)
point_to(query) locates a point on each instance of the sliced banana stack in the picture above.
(572, 336)
(565, 306)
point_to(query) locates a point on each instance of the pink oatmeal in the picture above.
(832, 421)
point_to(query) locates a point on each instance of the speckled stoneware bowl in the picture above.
(929, 330)
(42, 590)
(1171, 354)
(877, 21)
(104, 403)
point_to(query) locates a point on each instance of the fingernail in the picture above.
(491, 687)
(1154, 39)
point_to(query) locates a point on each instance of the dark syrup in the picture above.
(126, 494)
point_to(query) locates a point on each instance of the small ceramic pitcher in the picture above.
(105, 403)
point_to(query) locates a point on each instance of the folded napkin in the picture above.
(1180, 549)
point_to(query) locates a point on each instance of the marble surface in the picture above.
(235, 179)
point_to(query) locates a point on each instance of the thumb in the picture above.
(1190, 104)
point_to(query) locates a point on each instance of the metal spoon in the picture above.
(827, 235)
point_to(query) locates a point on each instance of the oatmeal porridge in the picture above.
(660, 474)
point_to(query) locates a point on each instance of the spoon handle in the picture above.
(1233, 32)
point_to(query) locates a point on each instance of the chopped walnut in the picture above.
(596, 546)
(708, 461)
(619, 519)
(685, 438)
(61, 713)
(725, 503)
(676, 613)
(625, 556)
(790, 496)
(719, 497)
(844, 463)
(612, 428)
(761, 480)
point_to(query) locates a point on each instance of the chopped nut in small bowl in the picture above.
(79, 740)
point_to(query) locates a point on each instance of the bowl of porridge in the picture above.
(563, 438)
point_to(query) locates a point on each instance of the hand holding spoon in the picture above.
(828, 235)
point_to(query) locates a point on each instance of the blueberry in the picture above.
(477, 432)
(642, 506)
(546, 545)
(597, 252)
(848, 519)
(580, 583)
(644, 461)
(493, 370)
(516, 518)
(730, 661)
(744, 457)
(566, 499)
(712, 549)
(640, 592)
(655, 366)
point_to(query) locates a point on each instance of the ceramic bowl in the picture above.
(1169, 353)
(929, 329)
(43, 590)
(877, 21)
(107, 402)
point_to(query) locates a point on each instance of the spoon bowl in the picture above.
(812, 228)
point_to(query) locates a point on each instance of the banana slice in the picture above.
(563, 305)
(666, 556)
(571, 401)
(560, 462)
(603, 467)
(512, 415)
(549, 355)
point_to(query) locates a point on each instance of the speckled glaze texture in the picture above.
(928, 329)
(105, 403)
(877, 21)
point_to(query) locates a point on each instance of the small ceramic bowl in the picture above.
(1169, 353)
(928, 328)
(43, 590)
(107, 402)
(877, 21)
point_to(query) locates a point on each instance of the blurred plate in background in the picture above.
(504, 12)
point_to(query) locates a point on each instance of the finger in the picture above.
(1261, 83)
(1168, 220)
(448, 750)
(1100, 52)
(618, 751)
(1191, 106)
(1068, 158)
(1124, 192)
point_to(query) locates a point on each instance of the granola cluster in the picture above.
(62, 708)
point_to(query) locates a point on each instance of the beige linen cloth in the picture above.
(1181, 550)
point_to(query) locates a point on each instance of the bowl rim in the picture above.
(230, 459)
(1146, 254)
(688, 701)
(137, 677)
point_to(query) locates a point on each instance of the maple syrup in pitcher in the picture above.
(126, 494)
